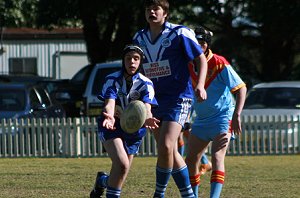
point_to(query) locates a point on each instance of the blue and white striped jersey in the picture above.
(166, 60)
(141, 89)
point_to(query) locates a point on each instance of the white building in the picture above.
(58, 53)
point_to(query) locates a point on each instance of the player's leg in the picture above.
(166, 137)
(196, 148)
(180, 175)
(205, 164)
(120, 167)
(180, 144)
(219, 147)
(186, 129)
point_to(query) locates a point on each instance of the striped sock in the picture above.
(113, 192)
(162, 178)
(181, 178)
(195, 182)
(216, 183)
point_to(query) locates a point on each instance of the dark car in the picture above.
(51, 86)
(20, 100)
(70, 94)
(30, 79)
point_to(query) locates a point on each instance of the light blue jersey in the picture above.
(213, 116)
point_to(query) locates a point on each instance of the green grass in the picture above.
(255, 176)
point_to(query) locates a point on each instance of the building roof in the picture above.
(31, 33)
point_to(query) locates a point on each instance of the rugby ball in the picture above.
(133, 117)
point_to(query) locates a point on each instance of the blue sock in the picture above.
(113, 192)
(204, 159)
(195, 182)
(216, 183)
(195, 190)
(162, 178)
(216, 189)
(182, 180)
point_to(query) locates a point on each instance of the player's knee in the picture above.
(124, 167)
(165, 149)
(218, 157)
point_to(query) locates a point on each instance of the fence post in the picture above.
(298, 134)
(78, 136)
(3, 138)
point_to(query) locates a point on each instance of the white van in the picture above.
(79, 95)
(91, 105)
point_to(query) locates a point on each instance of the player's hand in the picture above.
(236, 124)
(109, 121)
(151, 123)
(200, 93)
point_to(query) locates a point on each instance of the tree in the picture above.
(107, 25)
(17, 13)
(259, 37)
(279, 36)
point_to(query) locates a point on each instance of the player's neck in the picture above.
(127, 77)
(155, 30)
(128, 80)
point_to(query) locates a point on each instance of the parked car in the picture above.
(23, 100)
(79, 95)
(279, 102)
(274, 98)
(19, 100)
(51, 86)
(30, 79)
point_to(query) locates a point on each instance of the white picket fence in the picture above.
(77, 137)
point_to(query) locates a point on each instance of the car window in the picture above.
(100, 79)
(44, 97)
(34, 100)
(82, 75)
(273, 98)
(12, 100)
(49, 86)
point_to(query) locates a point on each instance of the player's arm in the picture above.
(151, 122)
(239, 105)
(108, 112)
(201, 65)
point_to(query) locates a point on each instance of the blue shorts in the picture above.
(208, 132)
(131, 142)
(173, 110)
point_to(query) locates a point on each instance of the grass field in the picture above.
(255, 176)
